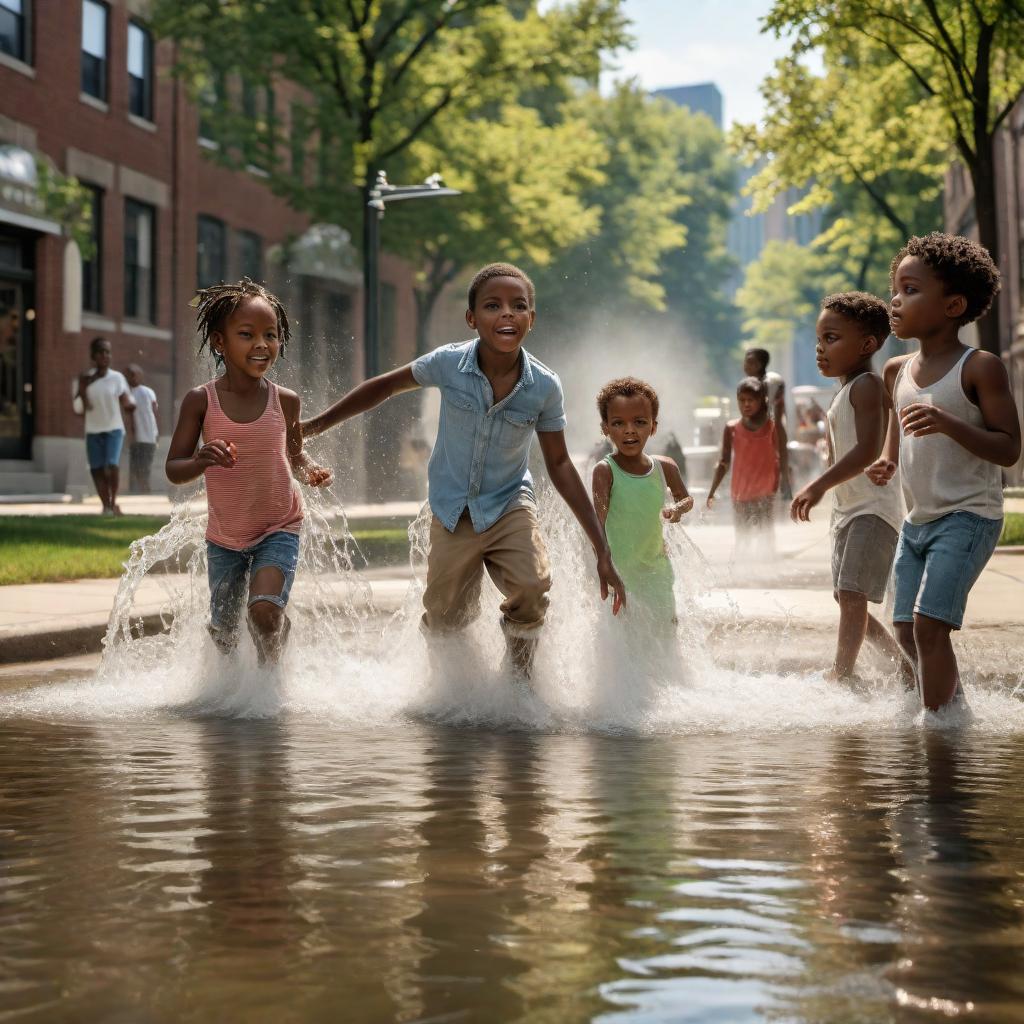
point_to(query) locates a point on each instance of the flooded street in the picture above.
(161, 868)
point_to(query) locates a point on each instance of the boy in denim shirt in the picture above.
(495, 397)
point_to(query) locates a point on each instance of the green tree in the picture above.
(966, 61)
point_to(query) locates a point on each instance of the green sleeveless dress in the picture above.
(634, 529)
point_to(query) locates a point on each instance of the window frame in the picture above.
(92, 270)
(242, 239)
(23, 22)
(148, 79)
(207, 220)
(104, 69)
(132, 306)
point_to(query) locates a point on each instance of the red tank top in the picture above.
(258, 495)
(755, 461)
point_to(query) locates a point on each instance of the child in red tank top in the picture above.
(754, 446)
(251, 447)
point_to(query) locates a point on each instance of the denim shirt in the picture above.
(480, 456)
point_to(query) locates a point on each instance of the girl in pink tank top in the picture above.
(754, 446)
(250, 456)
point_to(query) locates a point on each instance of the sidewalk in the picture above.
(52, 620)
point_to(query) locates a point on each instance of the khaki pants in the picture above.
(513, 553)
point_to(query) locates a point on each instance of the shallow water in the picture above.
(161, 868)
(373, 834)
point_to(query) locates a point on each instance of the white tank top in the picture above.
(940, 476)
(858, 496)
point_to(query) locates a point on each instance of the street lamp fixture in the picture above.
(382, 193)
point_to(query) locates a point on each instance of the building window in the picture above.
(212, 99)
(140, 71)
(250, 255)
(92, 268)
(14, 28)
(139, 261)
(212, 256)
(94, 49)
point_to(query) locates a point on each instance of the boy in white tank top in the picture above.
(851, 328)
(954, 425)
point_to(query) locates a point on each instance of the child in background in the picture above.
(629, 495)
(852, 327)
(145, 432)
(251, 445)
(755, 364)
(755, 447)
(954, 425)
(495, 397)
(101, 395)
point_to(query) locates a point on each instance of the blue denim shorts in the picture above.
(229, 572)
(104, 449)
(937, 563)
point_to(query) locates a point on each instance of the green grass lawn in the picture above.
(47, 549)
(1013, 529)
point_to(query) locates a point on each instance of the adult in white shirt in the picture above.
(145, 431)
(100, 395)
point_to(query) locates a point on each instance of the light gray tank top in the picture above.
(859, 496)
(940, 476)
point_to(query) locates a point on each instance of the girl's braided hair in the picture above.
(215, 304)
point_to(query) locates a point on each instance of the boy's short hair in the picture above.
(762, 355)
(754, 385)
(868, 311)
(500, 270)
(626, 387)
(94, 345)
(964, 268)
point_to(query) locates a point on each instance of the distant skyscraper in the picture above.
(702, 98)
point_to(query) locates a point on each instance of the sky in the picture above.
(680, 42)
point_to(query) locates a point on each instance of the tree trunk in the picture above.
(983, 179)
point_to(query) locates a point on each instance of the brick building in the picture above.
(86, 88)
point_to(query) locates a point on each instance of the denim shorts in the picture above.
(104, 449)
(229, 572)
(937, 563)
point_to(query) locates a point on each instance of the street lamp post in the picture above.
(381, 194)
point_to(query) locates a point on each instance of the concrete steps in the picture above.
(19, 476)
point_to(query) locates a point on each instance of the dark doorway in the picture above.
(17, 361)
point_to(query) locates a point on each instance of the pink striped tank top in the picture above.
(258, 495)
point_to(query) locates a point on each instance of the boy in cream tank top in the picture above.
(865, 519)
(954, 425)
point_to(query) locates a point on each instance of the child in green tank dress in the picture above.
(629, 495)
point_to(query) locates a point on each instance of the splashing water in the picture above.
(348, 664)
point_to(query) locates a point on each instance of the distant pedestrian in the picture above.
(754, 447)
(101, 395)
(145, 432)
(755, 364)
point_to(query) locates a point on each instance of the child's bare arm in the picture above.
(302, 465)
(867, 396)
(362, 398)
(674, 479)
(601, 487)
(184, 463)
(883, 469)
(998, 440)
(782, 441)
(724, 459)
(569, 485)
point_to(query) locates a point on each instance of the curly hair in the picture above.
(964, 268)
(214, 305)
(868, 311)
(626, 387)
(493, 270)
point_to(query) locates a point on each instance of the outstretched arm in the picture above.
(302, 465)
(569, 485)
(723, 464)
(362, 398)
(683, 502)
(867, 396)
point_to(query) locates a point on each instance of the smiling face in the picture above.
(842, 344)
(629, 424)
(502, 315)
(920, 305)
(250, 342)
